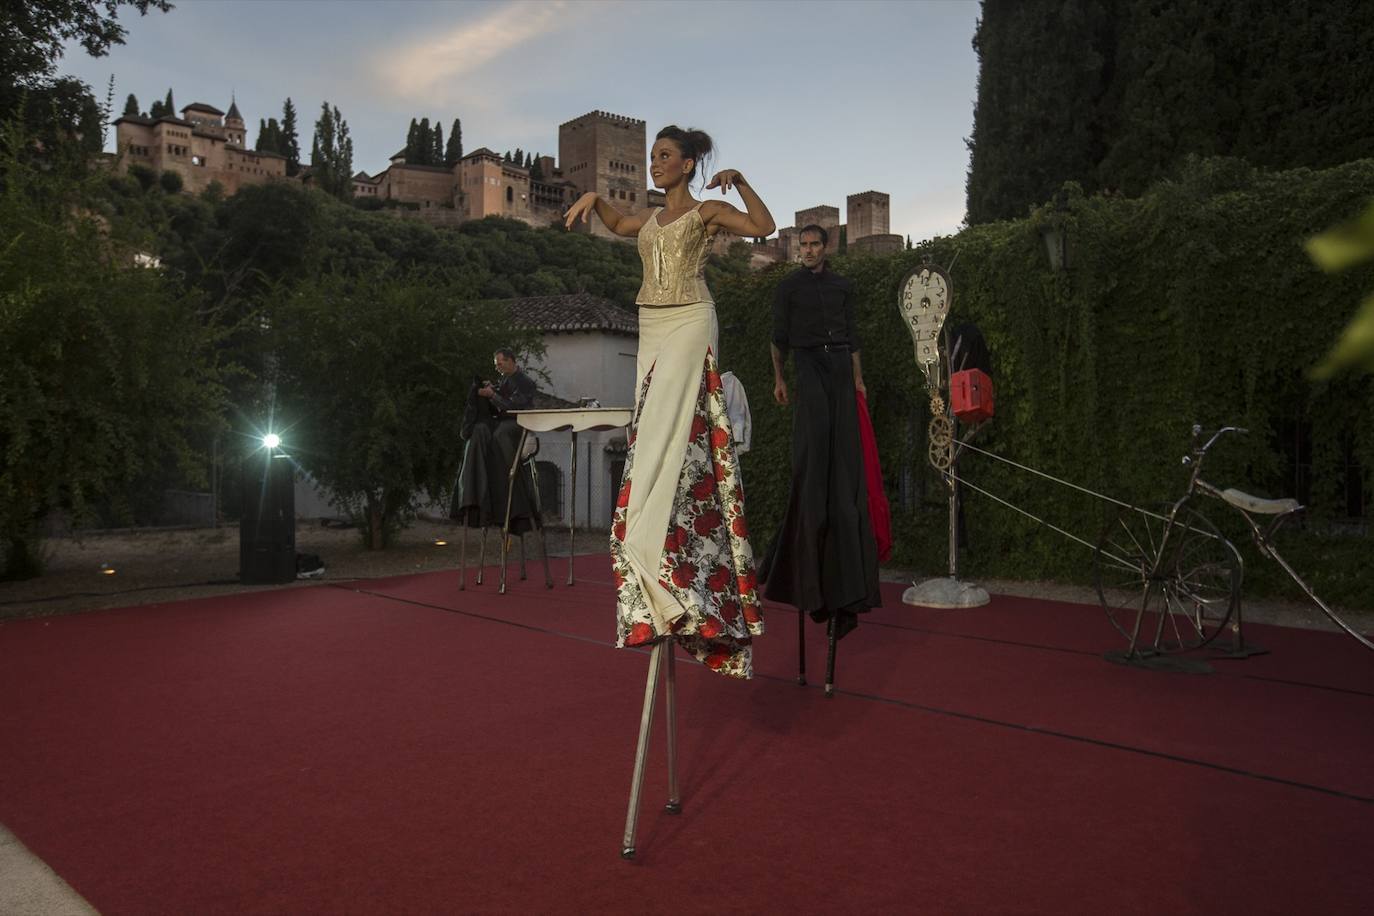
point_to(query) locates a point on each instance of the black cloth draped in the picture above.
(479, 499)
(824, 558)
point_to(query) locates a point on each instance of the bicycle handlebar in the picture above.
(1198, 433)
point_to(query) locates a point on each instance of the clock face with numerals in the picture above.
(924, 303)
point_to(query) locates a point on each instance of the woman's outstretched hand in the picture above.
(582, 208)
(725, 179)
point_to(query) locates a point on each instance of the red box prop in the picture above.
(970, 396)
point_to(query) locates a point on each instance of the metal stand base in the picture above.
(945, 592)
(1170, 663)
(1223, 653)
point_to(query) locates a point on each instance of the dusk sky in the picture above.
(812, 101)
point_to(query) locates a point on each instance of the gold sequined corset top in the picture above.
(674, 259)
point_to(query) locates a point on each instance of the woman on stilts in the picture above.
(680, 552)
(679, 543)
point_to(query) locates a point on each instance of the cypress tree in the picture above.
(262, 136)
(331, 153)
(169, 106)
(412, 140)
(436, 155)
(131, 106)
(290, 142)
(1116, 94)
(454, 151)
(424, 143)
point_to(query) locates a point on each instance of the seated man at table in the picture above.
(493, 436)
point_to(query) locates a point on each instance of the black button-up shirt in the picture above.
(516, 392)
(814, 309)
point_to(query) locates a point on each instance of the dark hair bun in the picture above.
(694, 144)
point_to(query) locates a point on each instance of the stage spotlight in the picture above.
(106, 569)
(441, 543)
(271, 440)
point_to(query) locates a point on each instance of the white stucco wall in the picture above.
(575, 365)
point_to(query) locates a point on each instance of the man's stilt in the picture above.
(801, 647)
(646, 721)
(482, 556)
(463, 559)
(833, 630)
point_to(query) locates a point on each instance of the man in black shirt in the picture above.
(824, 559)
(480, 499)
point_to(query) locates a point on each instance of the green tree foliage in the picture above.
(373, 371)
(1115, 94)
(169, 107)
(424, 144)
(1195, 302)
(107, 370)
(131, 106)
(290, 140)
(536, 169)
(436, 156)
(32, 35)
(171, 182)
(270, 139)
(331, 155)
(454, 150)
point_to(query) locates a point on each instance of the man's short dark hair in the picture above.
(819, 230)
(507, 352)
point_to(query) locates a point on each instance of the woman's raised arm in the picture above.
(756, 223)
(626, 224)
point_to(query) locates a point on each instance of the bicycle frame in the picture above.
(1262, 536)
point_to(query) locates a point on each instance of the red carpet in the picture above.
(363, 750)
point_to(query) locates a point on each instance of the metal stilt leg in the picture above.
(833, 631)
(544, 553)
(646, 720)
(523, 575)
(674, 805)
(482, 557)
(801, 647)
(505, 527)
(463, 557)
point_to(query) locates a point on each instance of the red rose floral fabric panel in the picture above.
(707, 564)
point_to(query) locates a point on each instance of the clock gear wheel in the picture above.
(939, 435)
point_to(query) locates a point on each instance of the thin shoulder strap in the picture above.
(699, 203)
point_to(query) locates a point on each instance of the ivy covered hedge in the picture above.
(1195, 302)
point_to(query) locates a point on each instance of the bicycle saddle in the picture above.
(1258, 505)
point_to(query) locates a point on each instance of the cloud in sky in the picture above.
(418, 69)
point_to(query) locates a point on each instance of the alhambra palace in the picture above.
(599, 151)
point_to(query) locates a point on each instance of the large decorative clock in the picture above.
(924, 303)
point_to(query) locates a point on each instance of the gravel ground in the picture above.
(153, 566)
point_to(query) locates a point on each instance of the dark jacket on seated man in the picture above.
(492, 435)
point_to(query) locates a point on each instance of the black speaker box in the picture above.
(267, 525)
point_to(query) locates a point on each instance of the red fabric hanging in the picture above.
(878, 512)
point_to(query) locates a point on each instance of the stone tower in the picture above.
(828, 218)
(867, 214)
(606, 153)
(234, 131)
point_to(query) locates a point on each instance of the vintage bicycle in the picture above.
(1169, 580)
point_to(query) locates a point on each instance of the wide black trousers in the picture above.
(479, 500)
(824, 559)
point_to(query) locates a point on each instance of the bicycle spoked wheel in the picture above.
(1166, 588)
